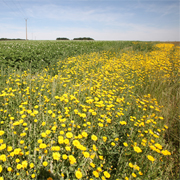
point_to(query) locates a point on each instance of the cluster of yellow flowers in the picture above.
(86, 121)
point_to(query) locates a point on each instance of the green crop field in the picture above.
(89, 110)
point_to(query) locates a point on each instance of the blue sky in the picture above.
(144, 20)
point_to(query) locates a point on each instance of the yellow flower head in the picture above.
(106, 174)
(56, 156)
(78, 174)
(151, 158)
(94, 138)
(137, 149)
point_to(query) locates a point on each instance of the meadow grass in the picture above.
(109, 114)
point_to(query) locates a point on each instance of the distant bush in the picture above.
(83, 38)
(63, 38)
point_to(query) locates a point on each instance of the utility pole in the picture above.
(26, 28)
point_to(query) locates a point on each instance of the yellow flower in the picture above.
(165, 152)
(24, 164)
(3, 157)
(94, 147)
(104, 138)
(17, 160)
(45, 163)
(84, 134)
(61, 132)
(48, 132)
(131, 165)
(78, 174)
(92, 156)
(11, 118)
(134, 175)
(35, 112)
(31, 165)
(101, 157)
(99, 169)
(66, 141)
(151, 158)
(125, 144)
(64, 156)
(9, 169)
(1, 133)
(103, 178)
(1, 168)
(86, 154)
(166, 126)
(158, 146)
(108, 120)
(94, 138)
(56, 156)
(96, 174)
(39, 141)
(106, 174)
(123, 122)
(92, 165)
(69, 135)
(94, 113)
(68, 148)
(72, 159)
(43, 123)
(76, 143)
(43, 134)
(137, 149)
(42, 146)
(49, 111)
(113, 144)
(100, 124)
(18, 166)
(55, 148)
(83, 115)
(60, 139)
(3, 146)
(33, 175)
(23, 116)
(22, 142)
(136, 167)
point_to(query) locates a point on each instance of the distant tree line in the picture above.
(80, 38)
(7, 39)
(62, 38)
(83, 38)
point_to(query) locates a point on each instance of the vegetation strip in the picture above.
(88, 117)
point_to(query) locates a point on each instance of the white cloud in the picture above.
(51, 19)
(65, 13)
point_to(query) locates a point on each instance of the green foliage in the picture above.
(83, 38)
(117, 93)
(62, 38)
(143, 46)
(7, 39)
(36, 55)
